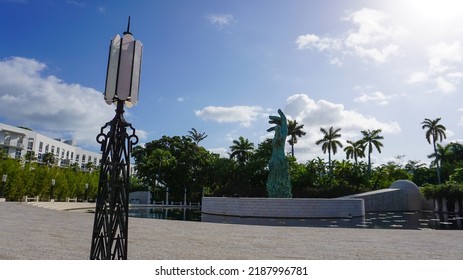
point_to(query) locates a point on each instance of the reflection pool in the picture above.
(373, 220)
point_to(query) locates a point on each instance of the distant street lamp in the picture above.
(167, 195)
(2, 191)
(184, 196)
(86, 192)
(52, 186)
(110, 227)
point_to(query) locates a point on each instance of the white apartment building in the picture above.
(16, 142)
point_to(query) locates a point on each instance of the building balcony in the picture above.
(9, 143)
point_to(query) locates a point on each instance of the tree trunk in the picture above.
(437, 162)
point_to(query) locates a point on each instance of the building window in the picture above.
(67, 154)
(57, 151)
(40, 147)
(77, 157)
(19, 143)
(17, 154)
(47, 147)
(52, 149)
(62, 154)
(30, 144)
(83, 158)
(72, 155)
(7, 140)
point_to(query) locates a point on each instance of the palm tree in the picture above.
(355, 150)
(48, 159)
(294, 131)
(30, 156)
(196, 136)
(435, 132)
(330, 142)
(371, 139)
(241, 149)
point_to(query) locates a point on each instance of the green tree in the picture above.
(330, 143)
(372, 139)
(355, 150)
(434, 132)
(294, 131)
(30, 156)
(196, 136)
(175, 161)
(48, 159)
(241, 149)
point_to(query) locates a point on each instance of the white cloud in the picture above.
(316, 114)
(376, 96)
(220, 19)
(223, 152)
(244, 115)
(370, 40)
(456, 75)
(46, 103)
(76, 3)
(444, 85)
(312, 40)
(443, 58)
(335, 61)
(324, 113)
(418, 77)
(180, 99)
(442, 54)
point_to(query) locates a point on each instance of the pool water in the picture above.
(374, 220)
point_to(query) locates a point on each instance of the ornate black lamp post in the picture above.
(2, 190)
(110, 228)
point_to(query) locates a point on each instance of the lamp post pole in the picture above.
(52, 186)
(86, 192)
(167, 195)
(110, 227)
(184, 196)
(2, 191)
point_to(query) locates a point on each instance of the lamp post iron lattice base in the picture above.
(110, 228)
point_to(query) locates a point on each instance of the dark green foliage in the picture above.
(33, 179)
(176, 162)
(179, 163)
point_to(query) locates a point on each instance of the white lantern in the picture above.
(124, 68)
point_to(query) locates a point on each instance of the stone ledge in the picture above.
(284, 207)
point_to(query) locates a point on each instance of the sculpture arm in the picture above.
(279, 121)
(283, 123)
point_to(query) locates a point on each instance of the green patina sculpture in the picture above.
(278, 183)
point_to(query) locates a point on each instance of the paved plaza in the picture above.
(33, 232)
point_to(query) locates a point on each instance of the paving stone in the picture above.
(30, 232)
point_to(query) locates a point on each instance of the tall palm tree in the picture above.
(30, 156)
(372, 139)
(241, 149)
(355, 150)
(329, 142)
(294, 131)
(48, 159)
(196, 136)
(434, 132)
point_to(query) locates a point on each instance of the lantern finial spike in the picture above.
(128, 28)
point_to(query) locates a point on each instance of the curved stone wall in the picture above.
(283, 207)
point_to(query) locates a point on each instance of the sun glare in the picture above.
(435, 10)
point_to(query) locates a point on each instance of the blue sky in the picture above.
(222, 67)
